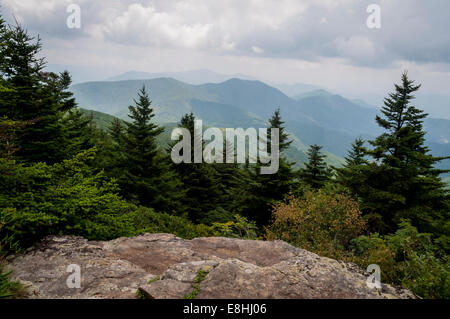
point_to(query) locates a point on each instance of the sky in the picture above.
(320, 42)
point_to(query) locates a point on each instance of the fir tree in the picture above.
(116, 130)
(236, 185)
(316, 172)
(274, 187)
(402, 182)
(34, 95)
(80, 132)
(356, 156)
(199, 180)
(148, 178)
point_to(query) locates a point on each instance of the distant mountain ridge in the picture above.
(317, 117)
(194, 77)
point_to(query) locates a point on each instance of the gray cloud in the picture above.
(411, 30)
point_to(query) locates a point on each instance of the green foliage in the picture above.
(148, 177)
(140, 294)
(319, 222)
(34, 95)
(316, 172)
(238, 227)
(101, 120)
(65, 198)
(199, 179)
(80, 131)
(406, 258)
(8, 135)
(145, 220)
(201, 274)
(400, 181)
(7, 240)
(273, 187)
(8, 288)
(53, 181)
(154, 279)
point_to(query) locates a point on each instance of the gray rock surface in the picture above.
(164, 266)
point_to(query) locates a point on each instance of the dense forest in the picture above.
(61, 173)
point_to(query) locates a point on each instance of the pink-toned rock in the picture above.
(164, 266)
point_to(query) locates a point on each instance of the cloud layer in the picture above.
(413, 30)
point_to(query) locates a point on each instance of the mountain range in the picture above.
(313, 117)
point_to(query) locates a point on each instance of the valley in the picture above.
(314, 117)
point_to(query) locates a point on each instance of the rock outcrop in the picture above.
(164, 266)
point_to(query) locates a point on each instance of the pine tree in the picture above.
(356, 156)
(402, 182)
(34, 95)
(316, 172)
(148, 178)
(349, 175)
(200, 181)
(79, 131)
(236, 185)
(116, 130)
(274, 187)
(20, 70)
(283, 138)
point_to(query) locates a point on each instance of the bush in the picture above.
(238, 227)
(8, 288)
(145, 220)
(66, 198)
(218, 215)
(322, 223)
(406, 258)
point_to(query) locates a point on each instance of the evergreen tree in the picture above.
(199, 180)
(350, 174)
(283, 138)
(79, 131)
(236, 185)
(316, 172)
(148, 178)
(34, 95)
(274, 187)
(116, 130)
(357, 154)
(402, 182)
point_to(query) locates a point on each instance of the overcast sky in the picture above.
(322, 42)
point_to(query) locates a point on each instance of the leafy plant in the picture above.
(239, 227)
(8, 288)
(201, 274)
(319, 222)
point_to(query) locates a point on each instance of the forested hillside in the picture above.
(67, 172)
(316, 117)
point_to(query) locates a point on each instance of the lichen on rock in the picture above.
(235, 269)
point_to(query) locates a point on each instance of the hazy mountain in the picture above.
(293, 90)
(363, 103)
(436, 105)
(316, 92)
(315, 117)
(191, 77)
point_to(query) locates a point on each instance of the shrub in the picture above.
(146, 220)
(8, 288)
(322, 223)
(218, 215)
(66, 198)
(238, 227)
(406, 258)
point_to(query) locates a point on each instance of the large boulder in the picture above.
(164, 266)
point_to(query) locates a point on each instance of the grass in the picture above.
(9, 289)
(201, 274)
(140, 294)
(153, 280)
